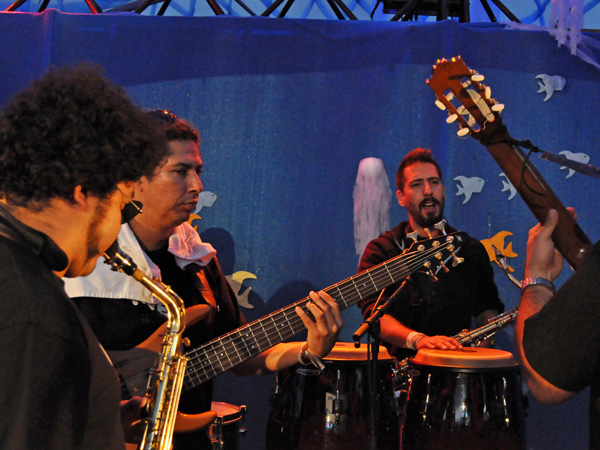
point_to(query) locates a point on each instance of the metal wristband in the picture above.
(306, 355)
(538, 281)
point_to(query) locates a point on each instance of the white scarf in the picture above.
(184, 243)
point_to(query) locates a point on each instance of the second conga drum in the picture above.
(335, 410)
(468, 399)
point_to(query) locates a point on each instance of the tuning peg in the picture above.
(441, 225)
(456, 260)
(497, 107)
(477, 77)
(451, 118)
(414, 235)
(444, 267)
(488, 92)
(428, 233)
(440, 105)
(461, 110)
(432, 277)
(462, 132)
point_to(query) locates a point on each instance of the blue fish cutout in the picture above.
(579, 157)
(468, 186)
(550, 84)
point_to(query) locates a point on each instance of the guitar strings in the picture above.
(201, 364)
(216, 350)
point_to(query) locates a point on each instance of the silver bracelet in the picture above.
(538, 281)
(305, 355)
(413, 339)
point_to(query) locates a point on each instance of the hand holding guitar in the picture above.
(324, 329)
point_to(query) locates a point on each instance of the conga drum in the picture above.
(229, 425)
(464, 399)
(350, 405)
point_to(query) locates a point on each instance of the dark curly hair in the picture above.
(74, 127)
(418, 155)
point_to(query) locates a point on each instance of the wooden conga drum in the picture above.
(467, 399)
(335, 409)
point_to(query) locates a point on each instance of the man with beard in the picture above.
(71, 147)
(427, 314)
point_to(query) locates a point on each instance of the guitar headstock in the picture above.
(461, 93)
(432, 254)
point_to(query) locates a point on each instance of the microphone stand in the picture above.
(373, 327)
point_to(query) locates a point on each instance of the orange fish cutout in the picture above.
(191, 220)
(498, 241)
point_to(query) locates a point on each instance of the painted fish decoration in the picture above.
(508, 186)
(499, 242)
(205, 199)
(579, 157)
(550, 84)
(468, 186)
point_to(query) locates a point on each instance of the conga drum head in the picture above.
(467, 358)
(464, 399)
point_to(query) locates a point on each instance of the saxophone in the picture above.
(166, 380)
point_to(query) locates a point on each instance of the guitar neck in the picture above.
(460, 92)
(570, 240)
(226, 352)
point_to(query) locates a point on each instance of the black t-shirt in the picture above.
(58, 390)
(445, 307)
(562, 341)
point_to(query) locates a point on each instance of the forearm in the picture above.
(394, 332)
(276, 358)
(534, 298)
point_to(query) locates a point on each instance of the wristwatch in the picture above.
(537, 281)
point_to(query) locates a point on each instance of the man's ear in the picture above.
(80, 197)
(400, 197)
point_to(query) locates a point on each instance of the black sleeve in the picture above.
(562, 341)
(486, 290)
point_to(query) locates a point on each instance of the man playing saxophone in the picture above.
(160, 240)
(71, 147)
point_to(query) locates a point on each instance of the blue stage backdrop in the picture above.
(288, 108)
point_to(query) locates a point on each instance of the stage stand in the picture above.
(442, 9)
(334, 4)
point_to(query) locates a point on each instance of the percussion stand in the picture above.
(372, 326)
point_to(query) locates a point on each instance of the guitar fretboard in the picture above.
(221, 354)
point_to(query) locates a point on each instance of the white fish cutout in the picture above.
(549, 84)
(205, 199)
(579, 157)
(508, 186)
(468, 186)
